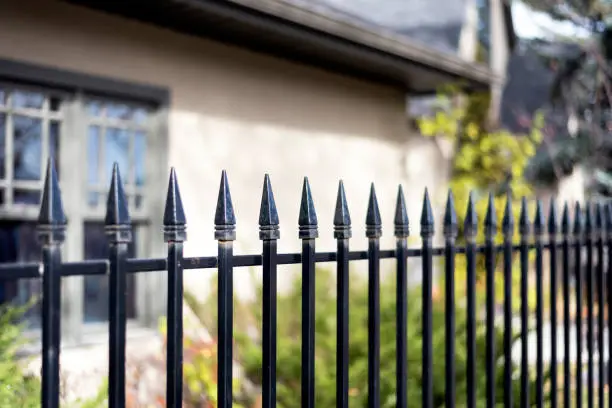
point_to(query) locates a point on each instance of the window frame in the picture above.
(75, 88)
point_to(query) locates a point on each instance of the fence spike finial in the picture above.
(589, 221)
(508, 220)
(450, 216)
(307, 220)
(402, 228)
(538, 220)
(51, 207)
(491, 218)
(373, 220)
(524, 223)
(225, 219)
(599, 217)
(565, 219)
(470, 224)
(117, 212)
(174, 214)
(342, 217)
(427, 219)
(608, 216)
(553, 224)
(268, 214)
(578, 221)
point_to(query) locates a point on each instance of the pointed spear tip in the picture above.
(308, 214)
(268, 214)
(508, 219)
(471, 218)
(117, 212)
(342, 217)
(373, 213)
(401, 215)
(450, 215)
(51, 207)
(307, 219)
(578, 220)
(174, 213)
(225, 219)
(427, 219)
(553, 223)
(599, 216)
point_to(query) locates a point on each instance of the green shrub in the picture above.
(289, 348)
(17, 389)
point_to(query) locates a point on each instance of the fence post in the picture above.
(402, 231)
(427, 232)
(566, 230)
(51, 233)
(119, 233)
(470, 229)
(578, 238)
(538, 231)
(524, 230)
(174, 234)
(608, 235)
(342, 233)
(599, 237)
(490, 226)
(508, 231)
(552, 239)
(269, 233)
(225, 233)
(308, 232)
(373, 233)
(450, 234)
(590, 230)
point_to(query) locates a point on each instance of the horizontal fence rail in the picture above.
(587, 239)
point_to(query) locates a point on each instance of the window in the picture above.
(85, 134)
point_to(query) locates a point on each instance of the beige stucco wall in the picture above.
(247, 113)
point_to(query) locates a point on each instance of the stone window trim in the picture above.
(76, 90)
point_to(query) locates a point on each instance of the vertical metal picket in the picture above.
(538, 231)
(578, 239)
(599, 241)
(342, 233)
(51, 233)
(553, 252)
(589, 227)
(566, 230)
(427, 232)
(608, 237)
(373, 233)
(225, 234)
(119, 233)
(308, 232)
(174, 234)
(508, 231)
(269, 233)
(402, 232)
(524, 231)
(490, 226)
(470, 229)
(450, 235)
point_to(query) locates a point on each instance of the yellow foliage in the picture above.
(485, 161)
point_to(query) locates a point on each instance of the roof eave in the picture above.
(301, 34)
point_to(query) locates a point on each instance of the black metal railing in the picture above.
(591, 233)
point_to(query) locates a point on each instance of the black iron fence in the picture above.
(590, 233)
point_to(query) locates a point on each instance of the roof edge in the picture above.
(365, 35)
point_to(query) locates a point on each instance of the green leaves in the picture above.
(289, 347)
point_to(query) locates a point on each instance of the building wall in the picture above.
(247, 113)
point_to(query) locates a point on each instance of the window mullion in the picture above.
(72, 145)
(9, 149)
